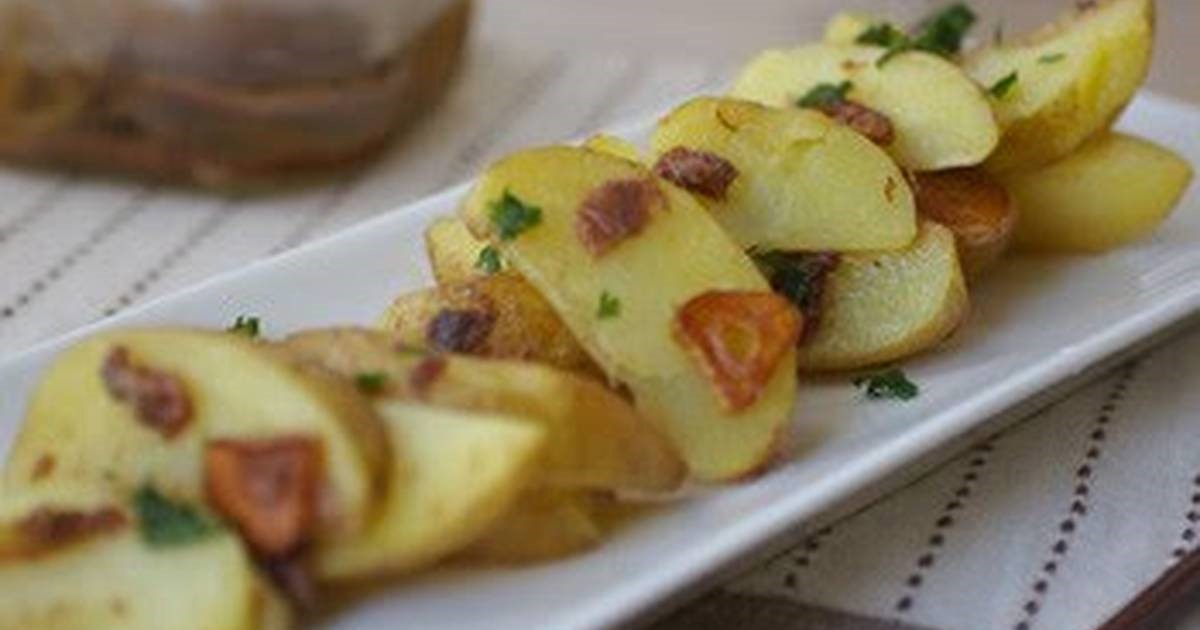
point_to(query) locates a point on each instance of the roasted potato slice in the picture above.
(885, 306)
(64, 566)
(618, 253)
(594, 438)
(975, 207)
(454, 253)
(1112, 191)
(543, 525)
(1073, 77)
(129, 407)
(455, 475)
(941, 118)
(499, 316)
(847, 26)
(794, 180)
(613, 145)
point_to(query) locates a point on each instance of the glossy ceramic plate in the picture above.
(1036, 324)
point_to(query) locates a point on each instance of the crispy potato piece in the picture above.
(801, 182)
(676, 255)
(97, 572)
(975, 207)
(1073, 78)
(885, 306)
(457, 473)
(543, 525)
(1112, 191)
(594, 438)
(613, 145)
(76, 431)
(505, 318)
(453, 252)
(941, 117)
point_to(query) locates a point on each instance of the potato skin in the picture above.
(542, 526)
(1114, 190)
(974, 206)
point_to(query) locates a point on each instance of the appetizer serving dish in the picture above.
(1036, 322)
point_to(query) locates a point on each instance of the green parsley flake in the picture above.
(370, 382)
(1052, 58)
(1001, 88)
(245, 325)
(489, 261)
(941, 33)
(609, 306)
(825, 94)
(510, 216)
(891, 383)
(165, 523)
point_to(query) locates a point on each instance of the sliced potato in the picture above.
(453, 252)
(802, 181)
(499, 316)
(845, 27)
(941, 118)
(1073, 78)
(110, 578)
(613, 145)
(886, 306)
(75, 431)
(622, 305)
(457, 473)
(594, 438)
(543, 525)
(1112, 191)
(975, 207)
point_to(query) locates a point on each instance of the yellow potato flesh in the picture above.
(1112, 191)
(803, 183)
(941, 117)
(886, 306)
(453, 252)
(679, 254)
(615, 146)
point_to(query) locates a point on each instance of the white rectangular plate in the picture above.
(1035, 323)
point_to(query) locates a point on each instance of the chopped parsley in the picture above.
(941, 33)
(489, 261)
(891, 383)
(1001, 88)
(1052, 57)
(245, 325)
(883, 34)
(370, 382)
(510, 216)
(165, 523)
(825, 94)
(608, 307)
(797, 276)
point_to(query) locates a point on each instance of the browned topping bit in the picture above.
(614, 211)
(268, 488)
(49, 528)
(160, 399)
(737, 338)
(889, 189)
(700, 172)
(426, 373)
(43, 467)
(801, 278)
(874, 125)
(459, 330)
(293, 578)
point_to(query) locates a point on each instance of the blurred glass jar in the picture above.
(218, 92)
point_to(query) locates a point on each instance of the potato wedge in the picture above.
(975, 207)
(802, 181)
(106, 576)
(77, 431)
(1114, 190)
(623, 305)
(941, 118)
(1073, 78)
(456, 475)
(498, 316)
(543, 525)
(886, 306)
(613, 145)
(453, 252)
(594, 438)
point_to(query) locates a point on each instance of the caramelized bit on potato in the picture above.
(43, 467)
(160, 399)
(872, 124)
(268, 488)
(293, 579)
(703, 173)
(459, 330)
(801, 278)
(974, 206)
(613, 212)
(738, 339)
(426, 373)
(49, 528)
